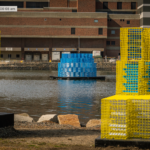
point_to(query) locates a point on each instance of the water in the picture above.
(32, 92)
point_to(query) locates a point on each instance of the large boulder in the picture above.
(48, 117)
(22, 118)
(69, 119)
(93, 122)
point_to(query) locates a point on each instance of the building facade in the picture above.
(144, 11)
(43, 30)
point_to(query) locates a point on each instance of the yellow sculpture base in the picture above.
(125, 116)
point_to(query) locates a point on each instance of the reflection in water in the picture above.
(76, 97)
(23, 91)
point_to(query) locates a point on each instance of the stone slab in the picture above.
(22, 118)
(6, 119)
(93, 122)
(140, 143)
(48, 117)
(69, 119)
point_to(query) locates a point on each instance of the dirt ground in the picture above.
(52, 137)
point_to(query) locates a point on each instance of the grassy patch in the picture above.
(32, 145)
(41, 143)
(60, 145)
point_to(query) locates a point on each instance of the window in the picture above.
(119, 5)
(123, 20)
(109, 19)
(128, 22)
(100, 31)
(36, 4)
(9, 55)
(74, 10)
(96, 21)
(17, 56)
(1, 55)
(105, 5)
(9, 3)
(72, 30)
(107, 42)
(120, 19)
(113, 32)
(112, 42)
(133, 5)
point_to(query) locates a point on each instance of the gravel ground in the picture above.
(49, 135)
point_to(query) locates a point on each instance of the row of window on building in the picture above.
(100, 31)
(28, 57)
(128, 21)
(119, 5)
(46, 4)
(28, 4)
(9, 56)
(110, 43)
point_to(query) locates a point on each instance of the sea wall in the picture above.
(103, 66)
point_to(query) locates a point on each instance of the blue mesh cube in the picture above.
(86, 74)
(79, 69)
(61, 69)
(77, 74)
(81, 65)
(69, 56)
(77, 65)
(67, 74)
(82, 74)
(75, 69)
(65, 69)
(72, 55)
(67, 65)
(72, 74)
(70, 70)
(72, 65)
(75, 56)
(63, 65)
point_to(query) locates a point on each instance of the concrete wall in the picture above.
(50, 66)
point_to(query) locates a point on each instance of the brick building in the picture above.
(39, 30)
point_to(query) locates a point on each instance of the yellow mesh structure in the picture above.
(126, 117)
(132, 77)
(127, 114)
(134, 43)
(0, 44)
(114, 118)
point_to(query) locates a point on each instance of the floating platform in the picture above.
(141, 143)
(6, 120)
(77, 78)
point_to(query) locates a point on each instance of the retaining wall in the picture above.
(103, 66)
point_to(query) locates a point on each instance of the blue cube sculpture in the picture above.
(77, 65)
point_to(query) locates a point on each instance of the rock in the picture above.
(93, 122)
(48, 117)
(22, 118)
(24, 114)
(69, 119)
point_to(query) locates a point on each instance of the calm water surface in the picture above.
(32, 92)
